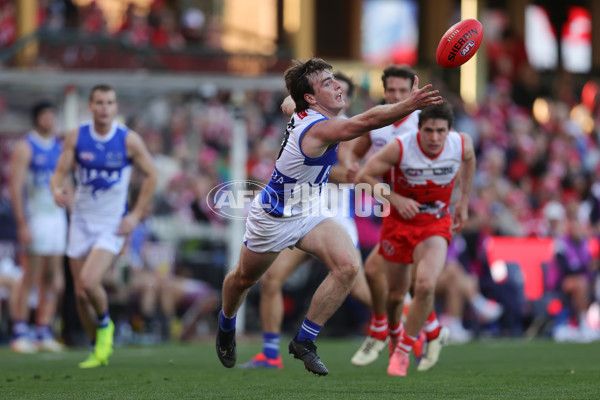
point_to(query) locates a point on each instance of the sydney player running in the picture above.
(103, 151)
(271, 283)
(42, 231)
(290, 211)
(397, 82)
(424, 168)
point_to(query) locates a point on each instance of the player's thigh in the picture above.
(96, 265)
(329, 242)
(284, 265)
(430, 257)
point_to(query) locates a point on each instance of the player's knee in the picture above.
(347, 271)
(395, 297)
(269, 284)
(424, 287)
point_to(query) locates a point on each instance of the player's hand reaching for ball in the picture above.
(406, 207)
(423, 97)
(127, 225)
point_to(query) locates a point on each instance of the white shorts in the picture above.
(49, 234)
(85, 236)
(349, 226)
(265, 233)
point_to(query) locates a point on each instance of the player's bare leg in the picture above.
(237, 283)
(92, 301)
(51, 288)
(329, 242)
(20, 342)
(375, 342)
(360, 290)
(271, 307)
(399, 278)
(430, 257)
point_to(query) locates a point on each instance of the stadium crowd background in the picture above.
(536, 134)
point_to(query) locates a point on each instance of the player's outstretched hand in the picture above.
(423, 97)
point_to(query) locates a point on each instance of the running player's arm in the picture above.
(339, 129)
(467, 171)
(60, 191)
(378, 165)
(142, 159)
(19, 162)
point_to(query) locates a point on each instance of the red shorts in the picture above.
(399, 238)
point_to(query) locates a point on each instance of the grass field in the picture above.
(500, 369)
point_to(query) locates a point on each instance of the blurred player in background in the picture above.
(42, 232)
(271, 297)
(290, 211)
(424, 168)
(103, 151)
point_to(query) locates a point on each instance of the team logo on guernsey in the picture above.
(387, 247)
(231, 199)
(86, 156)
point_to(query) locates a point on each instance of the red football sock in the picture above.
(405, 344)
(432, 326)
(379, 327)
(395, 331)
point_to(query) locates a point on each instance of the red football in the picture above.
(459, 43)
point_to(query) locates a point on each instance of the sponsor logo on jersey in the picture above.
(86, 156)
(413, 172)
(443, 171)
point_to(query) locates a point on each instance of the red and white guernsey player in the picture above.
(424, 167)
(397, 83)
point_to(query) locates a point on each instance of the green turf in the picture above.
(498, 369)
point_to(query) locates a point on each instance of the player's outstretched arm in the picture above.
(143, 160)
(63, 167)
(467, 172)
(340, 129)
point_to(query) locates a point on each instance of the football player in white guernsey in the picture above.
(42, 231)
(424, 167)
(103, 152)
(271, 283)
(290, 212)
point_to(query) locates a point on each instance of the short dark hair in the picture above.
(399, 71)
(39, 108)
(297, 79)
(102, 87)
(340, 76)
(440, 111)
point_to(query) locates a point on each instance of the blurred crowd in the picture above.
(163, 24)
